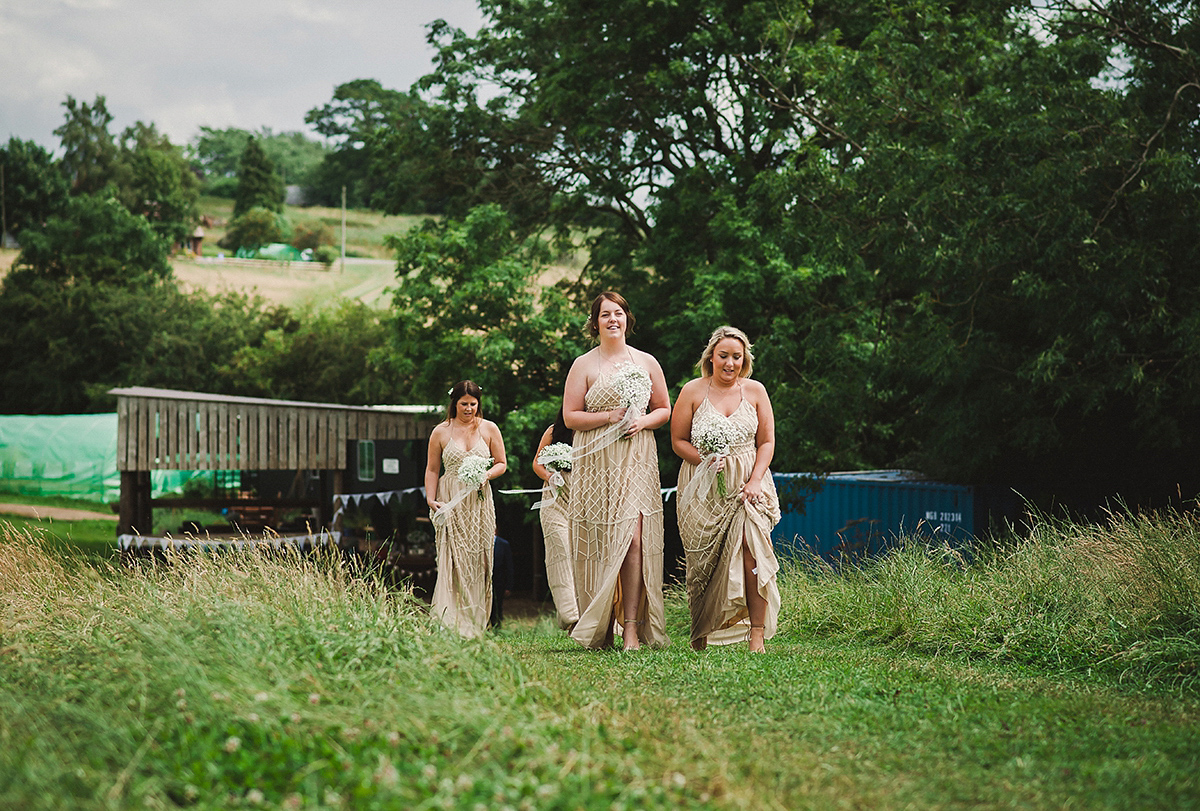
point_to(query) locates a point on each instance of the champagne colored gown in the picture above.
(560, 555)
(610, 489)
(462, 595)
(712, 527)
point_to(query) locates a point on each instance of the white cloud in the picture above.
(221, 63)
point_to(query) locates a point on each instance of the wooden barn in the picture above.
(330, 449)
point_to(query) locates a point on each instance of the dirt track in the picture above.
(54, 513)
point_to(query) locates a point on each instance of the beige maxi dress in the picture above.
(712, 528)
(462, 595)
(610, 489)
(560, 556)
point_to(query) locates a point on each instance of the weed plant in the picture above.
(1119, 598)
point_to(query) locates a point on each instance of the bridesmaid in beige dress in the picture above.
(615, 397)
(555, 518)
(464, 523)
(731, 566)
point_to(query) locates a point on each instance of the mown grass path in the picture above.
(821, 725)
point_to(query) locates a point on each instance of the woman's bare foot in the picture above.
(629, 634)
(756, 639)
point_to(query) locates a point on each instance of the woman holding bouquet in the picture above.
(724, 430)
(615, 397)
(471, 450)
(552, 462)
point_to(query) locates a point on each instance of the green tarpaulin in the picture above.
(71, 455)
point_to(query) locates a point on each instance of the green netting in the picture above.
(69, 455)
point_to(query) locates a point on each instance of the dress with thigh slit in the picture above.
(613, 484)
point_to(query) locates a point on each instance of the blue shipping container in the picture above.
(846, 516)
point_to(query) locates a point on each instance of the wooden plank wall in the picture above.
(179, 434)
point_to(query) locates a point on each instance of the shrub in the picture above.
(312, 234)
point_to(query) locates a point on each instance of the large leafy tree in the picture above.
(964, 234)
(470, 304)
(34, 186)
(360, 113)
(153, 179)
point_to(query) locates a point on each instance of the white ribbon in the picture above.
(555, 482)
(438, 516)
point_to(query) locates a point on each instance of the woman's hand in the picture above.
(717, 464)
(616, 415)
(434, 505)
(752, 492)
(635, 425)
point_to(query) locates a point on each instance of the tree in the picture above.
(940, 222)
(359, 114)
(468, 305)
(34, 186)
(259, 185)
(89, 150)
(153, 179)
(96, 240)
(254, 229)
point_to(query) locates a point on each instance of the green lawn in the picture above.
(276, 680)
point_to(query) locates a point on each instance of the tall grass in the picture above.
(277, 680)
(1119, 598)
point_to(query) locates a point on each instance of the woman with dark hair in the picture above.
(724, 430)
(471, 450)
(552, 462)
(615, 397)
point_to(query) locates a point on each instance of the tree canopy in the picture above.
(964, 236)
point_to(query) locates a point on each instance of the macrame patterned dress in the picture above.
(610, 489)
(712, 528)
(560, 555)
(462, 595)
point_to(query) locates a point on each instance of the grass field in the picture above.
(280, 681)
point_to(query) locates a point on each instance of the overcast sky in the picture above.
(217, 63)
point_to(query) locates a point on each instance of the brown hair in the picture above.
(461, 389)
(719, 334)
(593, 327)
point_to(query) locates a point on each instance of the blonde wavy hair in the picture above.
(719, 334)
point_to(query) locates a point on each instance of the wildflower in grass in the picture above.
(385, 773)
(314, 698)
(232, 743)
(252, 717)
(262, 696)
(393, 738)
(429, 772)
(181, 704)
(180, 692)
(296, 718)
(254, 797)
(218, 697)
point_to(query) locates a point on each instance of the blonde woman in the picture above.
(471, 450)
(615, 397)
(723, 428)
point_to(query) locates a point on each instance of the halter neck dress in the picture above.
(712, 528)
(462, 595)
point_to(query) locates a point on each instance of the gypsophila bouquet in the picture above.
(473, 472)
(556, 457)
(633, 384)
(714, 437)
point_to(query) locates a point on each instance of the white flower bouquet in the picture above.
(473, 472)
(713, 437)
(556, 457)
(632, 382)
